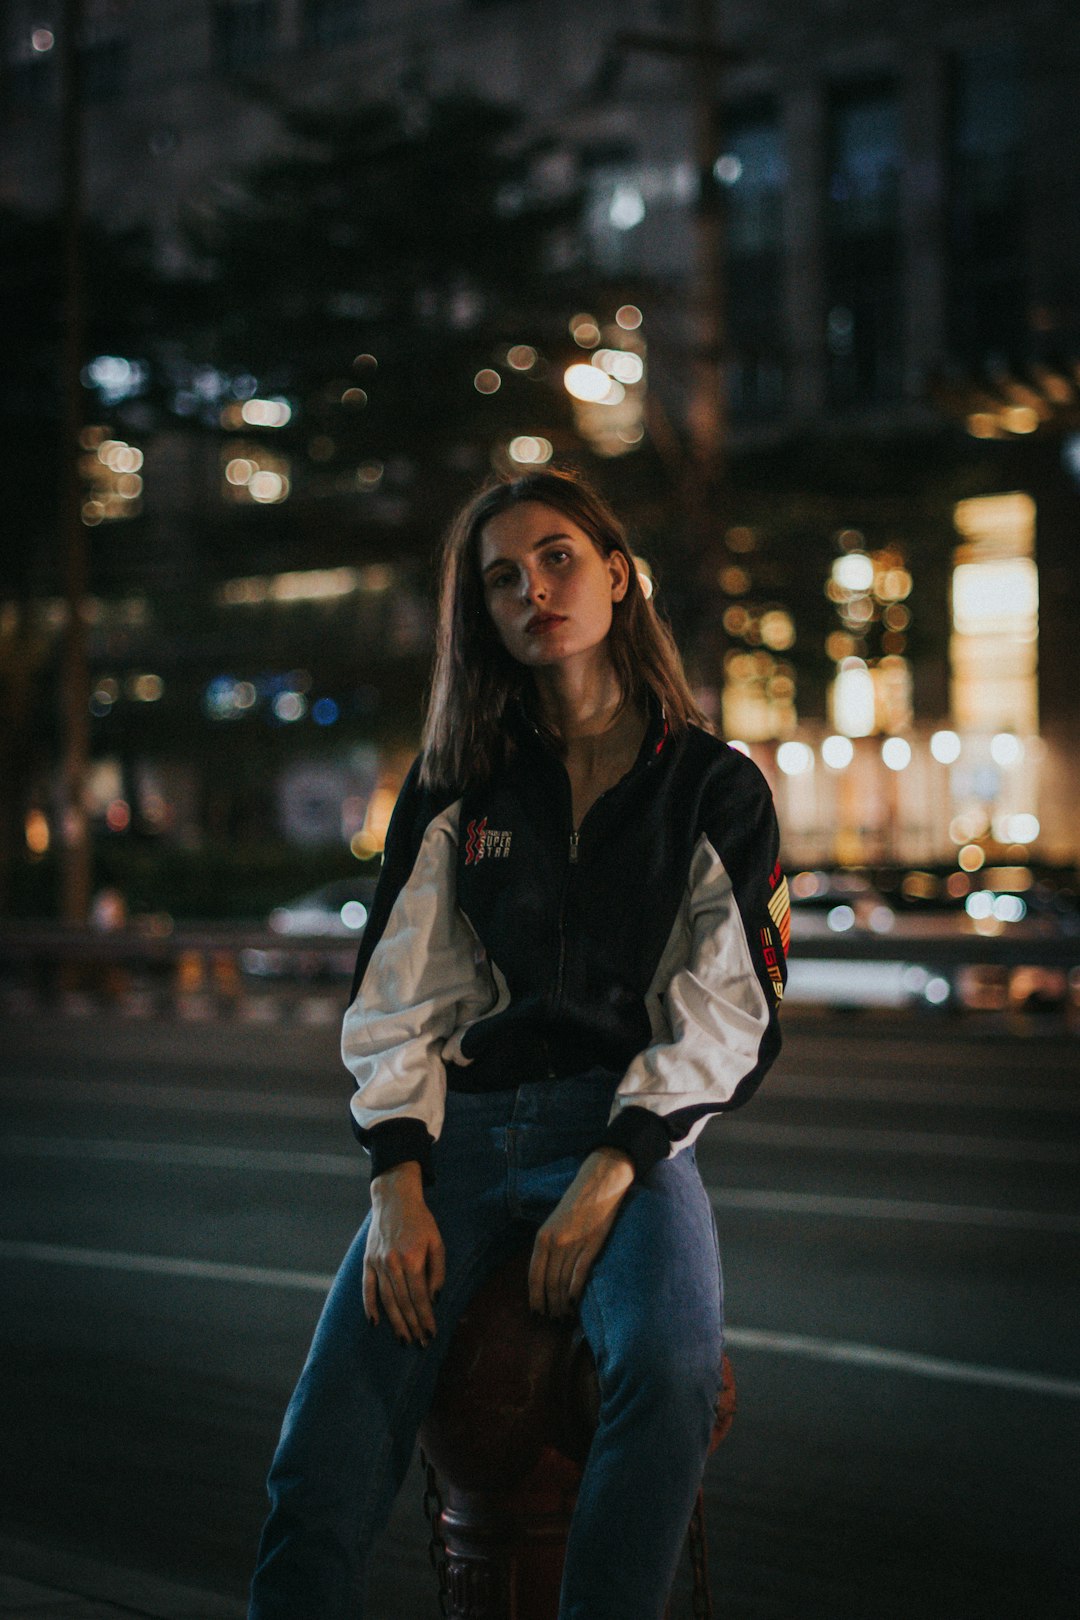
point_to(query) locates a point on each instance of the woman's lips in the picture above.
(536, 626)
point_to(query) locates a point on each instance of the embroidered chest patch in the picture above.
(482, 841)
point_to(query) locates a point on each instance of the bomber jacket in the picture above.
(505, 947)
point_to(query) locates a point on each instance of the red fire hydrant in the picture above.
(504, 1443)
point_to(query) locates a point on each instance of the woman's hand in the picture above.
(574, 1233)
(404, 1261)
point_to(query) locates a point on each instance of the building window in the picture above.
(994, 645)
(986, 283)
(243, 33)
(753, 174)
(329, 22)
(863, 320)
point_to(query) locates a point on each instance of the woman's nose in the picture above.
(531, 586)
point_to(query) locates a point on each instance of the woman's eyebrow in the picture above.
(496, 561)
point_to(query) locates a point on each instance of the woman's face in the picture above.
(548, 588)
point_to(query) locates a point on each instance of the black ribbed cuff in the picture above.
(394, 1141)
(640, 1133)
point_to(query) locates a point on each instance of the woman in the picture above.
(575, 957)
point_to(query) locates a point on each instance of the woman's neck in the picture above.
(584, 704)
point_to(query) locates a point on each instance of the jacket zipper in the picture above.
(575, 834)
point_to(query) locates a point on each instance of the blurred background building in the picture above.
(344, 257)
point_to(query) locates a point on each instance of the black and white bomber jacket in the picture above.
(503, 947)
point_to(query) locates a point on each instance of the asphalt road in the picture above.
(899, 1210)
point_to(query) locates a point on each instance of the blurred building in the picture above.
(900, 188)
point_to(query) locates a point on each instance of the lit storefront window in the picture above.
(993, 649)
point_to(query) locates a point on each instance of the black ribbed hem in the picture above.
(395, 1141)
(640, 1133)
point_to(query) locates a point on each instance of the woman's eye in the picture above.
(557, 556)
(500, 579)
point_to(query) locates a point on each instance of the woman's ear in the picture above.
(619, 570)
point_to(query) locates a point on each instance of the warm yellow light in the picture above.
(1006, 749)
(777, 629)
(795, 758)
(584, 331)
(268, 487)
(627, 368)
(629, 317)
(837, 752)
(981, 425)
(313, 584)
(354, 396)
(36, 832)
(522, 357)
(997, 597)
(945, 747)
(971, 857)
(854, 571)
(853, 699)
(272, 413)
(1020, 829)
(146, 688)
(529, 451)
(589, 383)
(1020, 418)
(487, 381)
(892, 585)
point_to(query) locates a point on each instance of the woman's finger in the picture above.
(395, 1297)
(390, 1304)
(420, 1311)
(436, 1269)
(562, 1265)
(580, 1276)
(371, 1293)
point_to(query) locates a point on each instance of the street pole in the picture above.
(75, 680)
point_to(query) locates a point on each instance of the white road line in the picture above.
(870, 1355)
(852, 1139)
(934, 1092)
(186, 1155)
(761, 1200)
(182, 1099)
(164, 1266)
(890, 1209)
(837, 1350)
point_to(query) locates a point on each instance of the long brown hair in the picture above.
(475, 678)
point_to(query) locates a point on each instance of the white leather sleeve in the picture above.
(708, 1010)
(425, 979)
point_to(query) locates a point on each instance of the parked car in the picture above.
(319, 933)
(337, 910)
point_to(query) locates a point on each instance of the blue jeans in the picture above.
(652, 1311)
